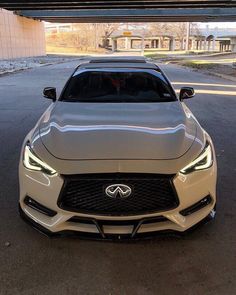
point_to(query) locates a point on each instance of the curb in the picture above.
(222, 76)
(227, 77)
(14, 71)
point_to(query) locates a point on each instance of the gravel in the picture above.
(18, 64)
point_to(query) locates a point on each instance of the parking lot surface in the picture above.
(201, 263)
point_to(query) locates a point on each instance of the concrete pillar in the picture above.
(214, 44)
(193, 44)
(142, 46)
(131, 43)
(187, 37)
(205, 45)
(20, 36)
(172, 44)
(114, 45)
(221, 47)
(200, 44)
(127, 43)
(233, 44)
(209, 45)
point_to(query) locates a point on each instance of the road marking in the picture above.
(209, 91)
(204, 84)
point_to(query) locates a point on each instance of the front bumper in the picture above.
(44, 189)
(119, 237)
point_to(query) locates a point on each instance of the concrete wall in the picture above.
(20, 36)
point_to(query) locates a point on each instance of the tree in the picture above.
(105, 30)
(176, 30)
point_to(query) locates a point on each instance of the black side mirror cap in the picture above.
(186, 93)
(50, 93)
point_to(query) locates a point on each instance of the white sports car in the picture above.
(117, 155)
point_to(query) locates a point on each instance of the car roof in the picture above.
(116, 62)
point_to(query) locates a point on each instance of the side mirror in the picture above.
(186, 93)
(50, 92)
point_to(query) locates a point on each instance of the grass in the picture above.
(159, 54)
(71, 50)
(200, 65)
(155, 55)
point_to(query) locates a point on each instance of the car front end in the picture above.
(117, 156)
(71, 197)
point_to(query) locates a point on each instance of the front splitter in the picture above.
(114, 237)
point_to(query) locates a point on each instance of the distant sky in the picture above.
(219, 25)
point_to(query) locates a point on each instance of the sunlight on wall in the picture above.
(20, 36)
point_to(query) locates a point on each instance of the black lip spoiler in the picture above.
(112, 237)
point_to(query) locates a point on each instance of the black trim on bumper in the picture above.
(112, 237)
(39, 207)
(197, 206)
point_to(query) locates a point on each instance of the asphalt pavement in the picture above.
(201, 263)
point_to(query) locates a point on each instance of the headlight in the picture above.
(32, 162)
(203, 161)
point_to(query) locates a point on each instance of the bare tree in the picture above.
(105, 30)
(176, 30)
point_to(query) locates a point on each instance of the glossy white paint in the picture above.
(117, 130)
(81, 138)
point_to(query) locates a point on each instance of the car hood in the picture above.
(82, 131)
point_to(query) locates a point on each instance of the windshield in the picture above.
(118, 86)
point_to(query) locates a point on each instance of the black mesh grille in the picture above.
(86, 194)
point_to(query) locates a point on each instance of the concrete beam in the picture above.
(136, 15)
(113, 4)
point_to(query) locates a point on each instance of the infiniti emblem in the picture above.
(118, 190)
